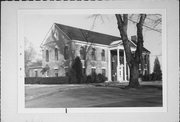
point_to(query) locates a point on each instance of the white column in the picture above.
(118, 65)
(109, 65)
(125, 75)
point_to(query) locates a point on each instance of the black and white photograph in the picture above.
(93, 60)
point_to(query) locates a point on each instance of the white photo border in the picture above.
(21, 90)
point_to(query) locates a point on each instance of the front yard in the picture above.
(92, 95)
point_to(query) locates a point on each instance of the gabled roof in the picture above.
(79, 34)
(94, 37)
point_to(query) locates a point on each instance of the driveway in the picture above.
(92, 95)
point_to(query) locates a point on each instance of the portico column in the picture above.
(109, 65)
(118, 75)
(125, 75)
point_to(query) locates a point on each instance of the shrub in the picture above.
(146, 77)
(84, 79)
(76, 71)
(157, 73)
(88, 79)
(46, 80)
(100, 78)
(94, 78)
(72, 76)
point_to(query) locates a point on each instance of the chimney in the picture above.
(134, 39)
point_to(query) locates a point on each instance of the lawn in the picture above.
(93, 95)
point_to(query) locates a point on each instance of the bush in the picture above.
(151, 77)
(94, 78)
(46, 80)
(88, 79)
(76, 71)
(100, 78)
(146, 77)
(84, 79)
(72, 76)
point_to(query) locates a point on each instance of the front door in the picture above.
(114, 65)
(121, 65)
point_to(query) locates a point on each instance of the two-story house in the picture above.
(100, 53)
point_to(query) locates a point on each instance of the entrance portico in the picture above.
(118, 69)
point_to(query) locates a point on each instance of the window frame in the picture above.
(93, 54)
(104, 74)
(47, 55)
(103, 55)
(56, 54)
(93, 68)
(66, 48)
(82, 53)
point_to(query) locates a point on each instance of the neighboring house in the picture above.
(35, 69)
(106, 53)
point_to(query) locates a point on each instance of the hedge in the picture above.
(46, 80)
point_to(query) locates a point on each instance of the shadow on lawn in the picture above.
(125, 86)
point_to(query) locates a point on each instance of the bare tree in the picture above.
(132, 61)
(153, 23)
(86, 49)
(29, 55)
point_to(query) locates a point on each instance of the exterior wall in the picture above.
(145, 65)
(32, 72)
(58, 41)
(98, 64)
(55, 66)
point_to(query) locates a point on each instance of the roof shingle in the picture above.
(75, 33)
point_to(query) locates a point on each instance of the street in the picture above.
(83, 95)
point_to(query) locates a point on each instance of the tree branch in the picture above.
(151, 28)
(119, 19)
(125, 19)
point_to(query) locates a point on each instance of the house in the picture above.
(100, 53)
(34, 70)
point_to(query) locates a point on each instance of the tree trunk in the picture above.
(134, 75)
(133, 62)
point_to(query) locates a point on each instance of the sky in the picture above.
(36, 26)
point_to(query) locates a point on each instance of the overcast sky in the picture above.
(36, 27)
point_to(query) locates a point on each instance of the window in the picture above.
(121, 56)
(47, 73)
(104, 72)
(82, 53)
(56, 72)
(36, 73)
(84, 71)
(139, 66)
(66, 70)
(47, 55)
(56, 54)
(133, 53)
(66, 52)
(103, 55)
(93, 54)
(93, 70)
(145, 67)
